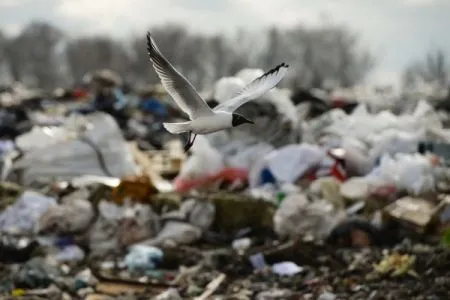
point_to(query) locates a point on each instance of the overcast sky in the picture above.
(397, 31)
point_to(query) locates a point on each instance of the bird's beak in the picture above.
(249, 121)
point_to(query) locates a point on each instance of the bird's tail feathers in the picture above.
(176, 128)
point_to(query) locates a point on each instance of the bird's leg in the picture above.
(188, 143)
(192, 143)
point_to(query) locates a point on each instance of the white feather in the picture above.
(181, 90)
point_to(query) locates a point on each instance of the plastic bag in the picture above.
(226, 175)
(286, 268)
(176, 232)
(315, 128)
(103, 235)
(198, 213)
(41, 137)
(247, 75)
(364, 126)
(357, 162)
(410, 172)
(226, 87)
(71, 253)
(205, 160)
(296, 217)
(138, 222)
(249, 156)
(68, 159)
(283, 104)
(70, 217)
(394, 141)
(289, 163)
(281, 159)
(143, 257)
(22, 217)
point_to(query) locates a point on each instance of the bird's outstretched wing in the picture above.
(181, 90)
(254, 89)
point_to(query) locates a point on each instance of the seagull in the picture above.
(203, 119)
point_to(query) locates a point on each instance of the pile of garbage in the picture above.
(344, 205)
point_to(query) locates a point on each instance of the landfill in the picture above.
(348, 203)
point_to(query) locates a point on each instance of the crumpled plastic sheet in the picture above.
(23, 216)
(139, 222)
(226, 87)
(70, 253)
(176, 232)
(205, 160)
(196, 212)
(246, 156)
(357, 160)
(363, 125)
(297, 217)
(110, 231)
(70, 217)
(41, 137)
(288, 163)
(143, 257)
(103, 234)
(72, 158)
(413, 173)
(314, 129)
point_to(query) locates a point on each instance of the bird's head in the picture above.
(238, 120)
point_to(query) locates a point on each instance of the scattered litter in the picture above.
(287, 268)
(142, 258)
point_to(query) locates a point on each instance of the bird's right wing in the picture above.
(254, 89)
(181, 90)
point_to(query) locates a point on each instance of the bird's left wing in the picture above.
(181, 90)
(254, 89)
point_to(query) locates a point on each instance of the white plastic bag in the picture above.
(410, 172)
(394, 141)
(287, 164)
(249, 156)
(226, 87)
(247, 75)
(71, 253)
(22, 217)
(41, 137)
(205, 160)
(72, 158)
(179, 233)
(143, 257)
(70, 217)
(296, 217)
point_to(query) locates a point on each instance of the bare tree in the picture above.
(326, 52)
(219, 48)
(202, 59)
(433, 68)
(169, 38)
(274, 49)
(192, 60)
(86, 54)
(3, 43)
(33, 55)
(316, 54)
(16, 56)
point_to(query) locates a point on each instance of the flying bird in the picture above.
(203, 119)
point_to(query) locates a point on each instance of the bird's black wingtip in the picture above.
(149, 42)
(284, 65)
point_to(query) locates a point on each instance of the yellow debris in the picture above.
(396, 264)
(18, 292)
